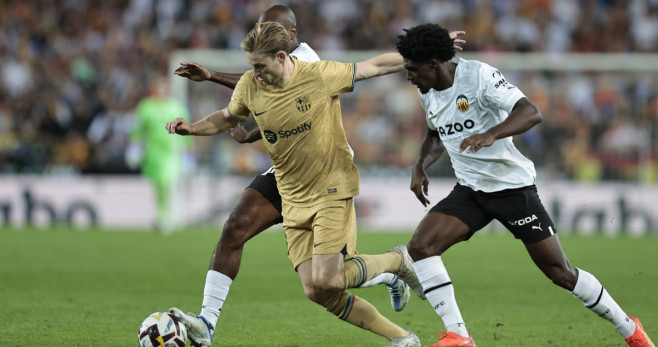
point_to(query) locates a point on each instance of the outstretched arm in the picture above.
(198, 73)
(382, 64)
(523, 117)
(214, 123)
(430, 151)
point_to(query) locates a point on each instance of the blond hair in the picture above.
(268, 38)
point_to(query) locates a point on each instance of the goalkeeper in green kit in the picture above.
(162, 157)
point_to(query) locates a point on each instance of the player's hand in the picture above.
(193, 71)
(419, 185)
(454, 35)
(179, 126)
(475, 142)
(239, 133)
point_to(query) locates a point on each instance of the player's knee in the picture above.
(312, 294)
(565, 277)
(236, 231)
(420, 250)
(329, 283)
(319, 296)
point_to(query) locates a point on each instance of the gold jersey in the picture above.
(303, 130)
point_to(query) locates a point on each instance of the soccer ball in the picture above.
(162, 329)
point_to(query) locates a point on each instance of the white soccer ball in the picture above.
(162, 329)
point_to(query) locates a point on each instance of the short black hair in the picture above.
(424, 42)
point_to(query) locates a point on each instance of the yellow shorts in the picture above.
(326, 228)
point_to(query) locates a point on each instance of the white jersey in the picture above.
(478, 99)
(305, 53)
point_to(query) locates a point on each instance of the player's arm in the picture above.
(523, 117)
(241, 134)
(214, 123)
(383, 64)
(198, 73)
(430, 151)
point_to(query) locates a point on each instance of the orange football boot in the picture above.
(453, 340)
(639, 337)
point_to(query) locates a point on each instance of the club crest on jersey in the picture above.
(462, 102)
(270, 136)
(303, 104)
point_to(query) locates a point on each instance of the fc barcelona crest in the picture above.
(462, 102)
(303, 104)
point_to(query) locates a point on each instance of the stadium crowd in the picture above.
(73, 71)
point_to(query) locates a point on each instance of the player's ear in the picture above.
(281, 56)
(434, 63)
(292, 32)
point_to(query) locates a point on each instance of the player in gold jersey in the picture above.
(317, 179)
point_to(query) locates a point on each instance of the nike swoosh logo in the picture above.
(317, 244)
(256, 114)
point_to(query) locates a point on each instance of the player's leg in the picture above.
(161, 191)
(259, 208)
(444, 226)
(434, 235)
(252, 214)
(525, 216)
(322, 279)
(551, 260)
(319, 259)
(341, 220)
(165, 175)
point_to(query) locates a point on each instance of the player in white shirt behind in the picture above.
(472, 113)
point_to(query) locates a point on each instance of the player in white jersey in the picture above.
(472, 113)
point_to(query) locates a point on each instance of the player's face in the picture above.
(268, 68)
(420, 74)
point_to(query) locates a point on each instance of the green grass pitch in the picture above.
(93, 288)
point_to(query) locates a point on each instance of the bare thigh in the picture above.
(551, 260)
(252, 214)
(435, 234)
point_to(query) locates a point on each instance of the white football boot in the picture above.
(410, 340)
(198, 330)
(406, 271)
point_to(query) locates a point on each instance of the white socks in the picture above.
(214, 295)
(596, 298)
(385, 278)
(590, 291)
(434, 278)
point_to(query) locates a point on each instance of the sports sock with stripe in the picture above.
(363, 268)
(385, 278)
(214, 295)
(361, 313)
(439, 291)
(590, 291)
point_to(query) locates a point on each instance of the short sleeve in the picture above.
(496, 90)
(237, 107)
(337, 77)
